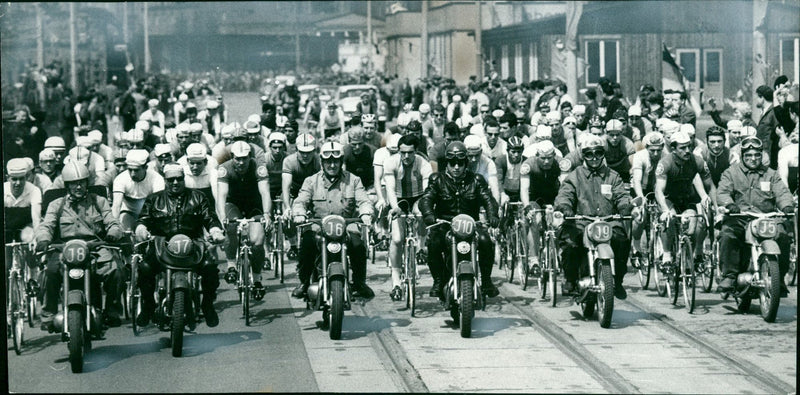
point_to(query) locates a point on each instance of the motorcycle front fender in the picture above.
(465, 268)
(604, 251)
(180, 280)
(76, 297)
(335, 269)
(770, 247)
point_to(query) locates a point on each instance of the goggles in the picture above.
(456, 155)
(594, 154)
(751, 143)
(570, 124)
(164, 157)
(327, 154)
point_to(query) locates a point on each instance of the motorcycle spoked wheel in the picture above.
(31, 310)
(337, 307)
(467, 309)
(77, 335)
(176, 329)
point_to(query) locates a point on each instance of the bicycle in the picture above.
(276, 240)
(244, 283)
(711, 267)
(21, 294)
(684, 272)
(410, 273)
(133, 300)
(514, 245)
(644, 264)
(791, 274)
(550, 260)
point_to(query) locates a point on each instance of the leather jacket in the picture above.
(446, 197)
(187, 213)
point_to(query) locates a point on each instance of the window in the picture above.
(504, 61)
(518, 62)
(790, 58)
(602, 60)
(533, 63)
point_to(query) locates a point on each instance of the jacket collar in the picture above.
(327, 183)
(601, 171)
(761, 169)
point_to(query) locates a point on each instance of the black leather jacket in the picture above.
(188, 213)
(445, 198)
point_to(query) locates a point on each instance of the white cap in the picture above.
(276, 136)
(456, 98)
(568, 119)
(734, 124)
(173, 170)
(472, 142)
(635, 110)
(182, 128)
(137, 157)
(240, 149)
(680, 138)
(424, 108)
(196, 127)
(152, 102)
(252, 127)
(545, 147)
(55, 142)
(135, 135)
(161, 149)
(543, 132)
(748, 131)
(183, 97)
(579, 109)
(393, 142)
(212, 104)
(142, 125)
(96, 136)
(614, 124)
(47, 154)
(464, 121)
(553, 116)
(403, 119)
(688, 129)
(83, 141)
(196, 151)
(498, 113)
(253, 118)
(17, 167)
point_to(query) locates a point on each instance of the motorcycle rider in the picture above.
(458, 190)
(80, 215)
(177, 210)
(243, 192)
(332, 191)
(592, 189)
(750, 186)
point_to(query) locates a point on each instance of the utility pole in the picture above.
(759, 49)
(479, 43)
(296, 40)
(73, 49)
(125, 22)
(574, 11)
(369, 35)
(146, 41)
(39, 39)
(423, 48)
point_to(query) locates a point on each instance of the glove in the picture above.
(217, 236)
(114, 236)
(142, 233)
(41, 246)
(429, 220)
(733, 209)
(636, 213)
(494, 222)
(394, 212)
(788, 210)
(665, 216)
(299, 219)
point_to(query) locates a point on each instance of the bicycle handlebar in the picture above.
(602, 218)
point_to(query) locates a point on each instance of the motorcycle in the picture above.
(462, 294)
(83, 321)
(177, 301)
(762, 279)
(329, 290)
(597, 289)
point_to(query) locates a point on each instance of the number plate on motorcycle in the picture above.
(765, 228)
(333, 226)
(75, 251)
(463, 225)
(599, 232)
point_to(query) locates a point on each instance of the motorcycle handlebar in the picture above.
(750, 214)
(603, 218)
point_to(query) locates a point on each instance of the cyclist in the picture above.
(495, 146)
(331, 122)
(406, 176)
(274, 158)
(358, 157)
(253, 130)
(47, 165)
(22, 203)
(80, 215)
(643, 181)
(178, 210)
(370, 126)
(458, 190)
(200, 174)
(161, 156)
(332, 190)
(674, 173)
(592, 189)
(381, 156)
(480, 164)
(539, 183)
(243, 192)
(750, 186)
(296, 168)
(717, 156)
(132, 187)
(619, 150)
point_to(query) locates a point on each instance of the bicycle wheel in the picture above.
(655, 261)
(688, 276)
(642, 265)
(279, 260)
(134, 301)
(675, 278)
(552, 268)
(246, 276)
(507, 251)
(791, 274)
(411, 279)
(15, 301)
(521, 255)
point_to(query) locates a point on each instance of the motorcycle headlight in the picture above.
(75, 273)
(334, 248)
(462, 247)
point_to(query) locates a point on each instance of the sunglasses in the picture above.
(570, 124)
(438, 114)
(165, 157)
(331, 154)
(484, 112)
(492, 134)
(173, 179)
(594, 154)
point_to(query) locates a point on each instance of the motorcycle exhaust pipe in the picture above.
(313, 292)
(585, 283)
(744, 280)
(58, 322)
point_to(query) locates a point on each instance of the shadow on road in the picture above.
(355, 327)
(488, 326)
(260, 316)
(33, 346)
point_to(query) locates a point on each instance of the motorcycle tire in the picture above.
(605, 298)
(178, 315)
(77, 333)
(337, 307)
(467, 311)
(770, 295)
(791, 273)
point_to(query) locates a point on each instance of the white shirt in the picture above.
(133, 192)
(30, 195)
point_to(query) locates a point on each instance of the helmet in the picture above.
(276, 136)
(715, 131)
(515, 143)
(56, 143)
(751, 143)
(472, 143)
(240, 149)
(74, 171)
(136, 135)
(596, 122)
(306, 142)
(614, 125)
(456, 149)
(79, 154)
(652, 139)
(414, 126)
(592, 142)
(367, 118)
(331, 149)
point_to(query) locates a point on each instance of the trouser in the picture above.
(107, 273)
(256, 233)
(310, 249)
(735, 254)
(696, 227)
(439, 250)
(150, 267)
(574, 254)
